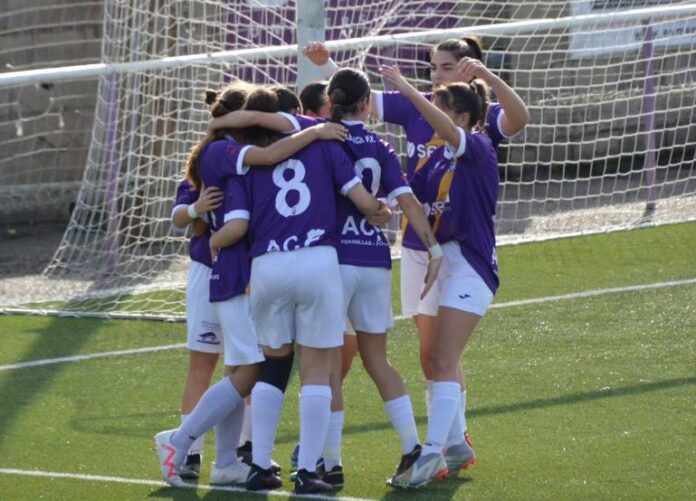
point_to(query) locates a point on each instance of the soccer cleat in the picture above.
(166, 453)
(244, 453)
(334, 477)
(308, 482)
(406, 462)
(294, 459)
(236, 473)
(262, 480)
(459, 456)
(191, 468)
(424, 470)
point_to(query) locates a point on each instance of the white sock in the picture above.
(245, 436)
(464, 410)
(446, 395)
(400, 413)
(456, 431)
(332, 448)
(315, 414)
(197, 446)
(215, 404)
(428, 396)
(227, 437)
(266, 406)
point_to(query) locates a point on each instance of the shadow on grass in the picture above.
(20, 388)
(540, 403)
(445, 489)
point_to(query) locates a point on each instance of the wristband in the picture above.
(435, 251)
(192, 212)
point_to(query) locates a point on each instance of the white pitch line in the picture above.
(590, 293)
(75, 358)
(159, 483)
(509, 304)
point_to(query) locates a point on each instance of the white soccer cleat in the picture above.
(166, 453)
(236, 473)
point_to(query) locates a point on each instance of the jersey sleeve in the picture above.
(229, 158)
(458, 152)
(236, 202)
(185, 196)
(493, 128)
(301, 122)
(393, 180)
(393, 107)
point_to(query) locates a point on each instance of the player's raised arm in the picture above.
(282, 149)
(516, 114)
(438, 120)
(319, 54)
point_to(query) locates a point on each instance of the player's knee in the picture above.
(276, 371)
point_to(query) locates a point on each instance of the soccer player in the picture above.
(203, 339)
(469, 278)
(295, 297)
(503, 120)
(364, 256)
(315, 102)
(215, 161)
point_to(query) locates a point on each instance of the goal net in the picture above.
(611, 87)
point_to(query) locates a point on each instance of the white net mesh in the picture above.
(612, 130)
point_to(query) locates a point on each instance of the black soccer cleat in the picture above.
(308, 482)
(262, 480)
(334, 477)
(191, 468)
(244, 454)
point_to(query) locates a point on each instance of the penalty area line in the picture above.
(76, 358)
(159, 483)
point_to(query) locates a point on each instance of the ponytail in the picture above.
(226, 100)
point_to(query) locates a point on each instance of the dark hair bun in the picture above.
(338, 96)
(210, 96)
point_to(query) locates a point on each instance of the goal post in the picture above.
(611, 91)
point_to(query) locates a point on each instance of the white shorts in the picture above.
(239, 334)
(461, 287)
(414, 265)
(204, 333)
(367, 298)
(297, 296)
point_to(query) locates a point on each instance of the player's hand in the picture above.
(331, 131)
(393, 75)
(382, 216)
(469, 68)
(431, 275)
(210, 198)
(317, 53)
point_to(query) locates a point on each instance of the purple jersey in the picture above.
(421, 138)
(376, 163)
(220, 162)
(473, 194)
(198, 247)
(431, 186)
(293, 204)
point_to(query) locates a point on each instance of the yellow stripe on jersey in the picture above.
(442, 194)
(435, 141)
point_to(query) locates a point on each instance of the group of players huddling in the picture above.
(283, 207)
